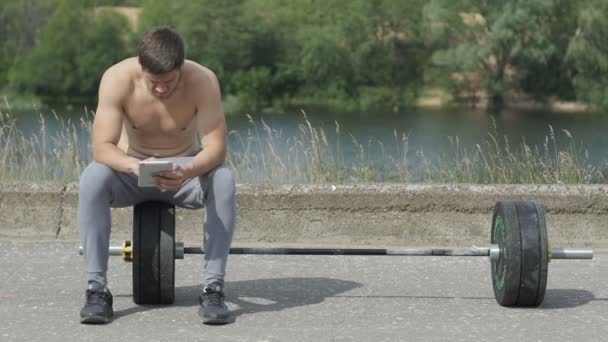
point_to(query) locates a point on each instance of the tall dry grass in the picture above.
(308, 157)
(264, 154)
(43, 156)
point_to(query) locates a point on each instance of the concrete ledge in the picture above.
(361, 215)
(31, 209)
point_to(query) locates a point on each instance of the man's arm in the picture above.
(107, 125)
(211, 126)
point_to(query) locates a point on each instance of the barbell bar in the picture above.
(125, 250)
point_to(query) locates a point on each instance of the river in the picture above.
(380, 134)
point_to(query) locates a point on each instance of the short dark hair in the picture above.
(161, 50)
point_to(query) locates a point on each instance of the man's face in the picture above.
(162, 85)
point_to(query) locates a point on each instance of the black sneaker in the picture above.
(98, 307)
(213, 310)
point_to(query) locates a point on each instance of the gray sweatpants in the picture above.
(102, 188)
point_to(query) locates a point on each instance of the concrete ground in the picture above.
(303, 298)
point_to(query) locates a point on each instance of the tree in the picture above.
(391, 55)
(369, 53)
(552, 77)
(72, 51)
(588, 53)
(20, 19)
(486, 38)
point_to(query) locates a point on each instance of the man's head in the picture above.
(161, 55)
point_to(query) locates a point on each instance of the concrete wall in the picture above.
(319, 215)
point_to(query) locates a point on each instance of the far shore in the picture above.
(436, 100)
(515, 102)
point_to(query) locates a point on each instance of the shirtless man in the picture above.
(158, 101)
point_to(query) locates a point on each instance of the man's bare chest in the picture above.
(149, 115)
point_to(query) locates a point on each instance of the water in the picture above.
(427, 130)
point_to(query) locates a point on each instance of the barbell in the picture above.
(519, 253)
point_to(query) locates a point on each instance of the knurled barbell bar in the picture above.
(126, 251)
(519, 253)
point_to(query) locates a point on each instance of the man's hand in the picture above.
(171, 181)
(134, 167)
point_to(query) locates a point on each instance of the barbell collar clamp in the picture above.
(179, 249)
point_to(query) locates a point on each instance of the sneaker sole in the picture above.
(217, 321)
(95, 320)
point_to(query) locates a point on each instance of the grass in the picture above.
(501, 162)
(41, 156)
(264, 154)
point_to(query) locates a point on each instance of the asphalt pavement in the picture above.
(303, 298)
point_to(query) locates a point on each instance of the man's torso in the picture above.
(159, 127)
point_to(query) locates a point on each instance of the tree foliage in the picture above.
(588, 53)
(19, 22)
(355, 54)
(551, 77)
(73, 50)
(490, 38)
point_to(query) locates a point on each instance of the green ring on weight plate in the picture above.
(499, 227)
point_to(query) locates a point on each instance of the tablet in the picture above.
(151, 168)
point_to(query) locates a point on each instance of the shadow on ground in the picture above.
(261, 295)
(567, 298)
(554, 298)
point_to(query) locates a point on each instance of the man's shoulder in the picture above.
(199, 74)
(117, 81)
(122, 71)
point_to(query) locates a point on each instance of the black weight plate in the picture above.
(544, 256)
(506, 270)
(534, 254)
(167, 255)
(137, 269)
(153, 253)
